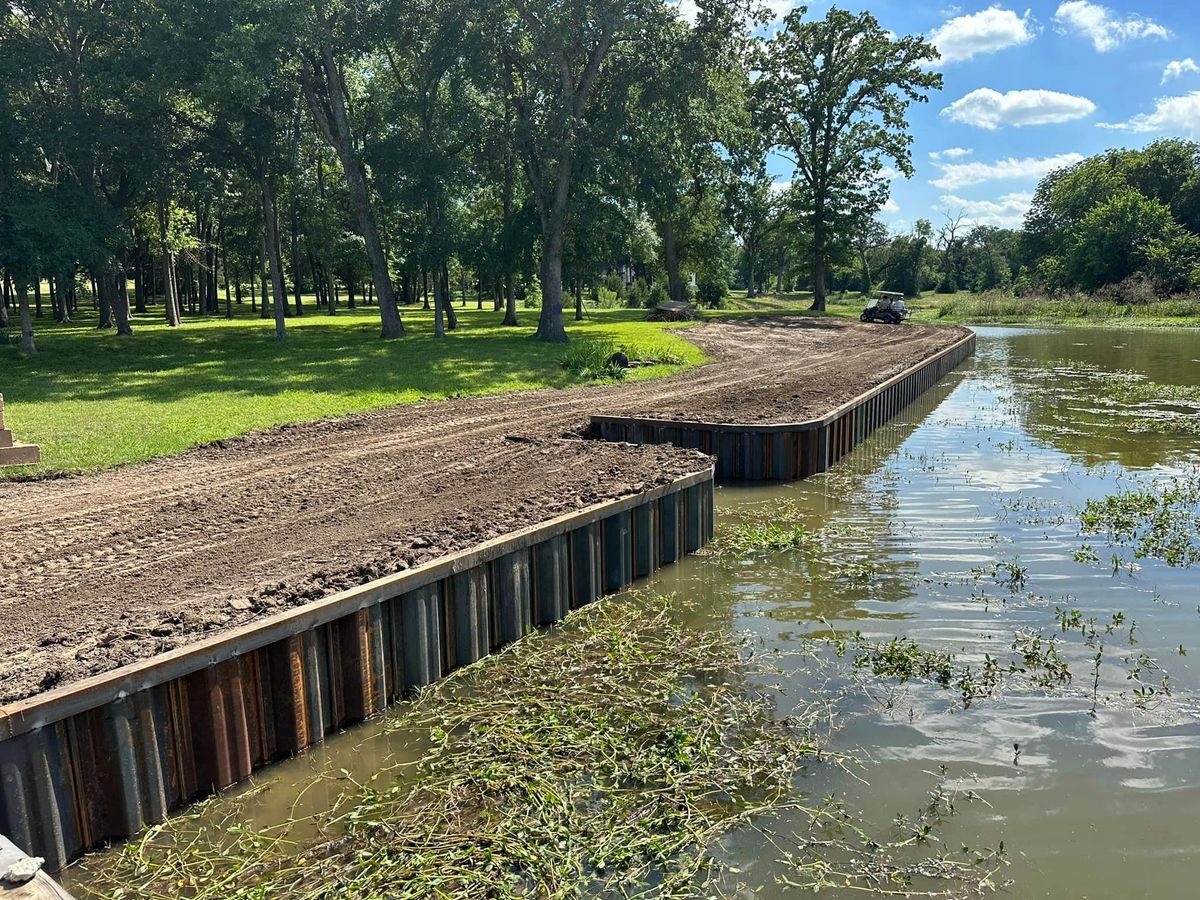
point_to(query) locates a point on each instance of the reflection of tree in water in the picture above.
(1105, 396)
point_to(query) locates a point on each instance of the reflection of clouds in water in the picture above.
(984, 481)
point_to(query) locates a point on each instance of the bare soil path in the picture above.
(98, 571)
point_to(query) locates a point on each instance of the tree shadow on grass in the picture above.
(333, 356)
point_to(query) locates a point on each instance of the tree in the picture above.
(325, 89)
(1114, 239)
(834, 93)
(1115, 215)
(868, 237)
(687, 120)
(552, 57)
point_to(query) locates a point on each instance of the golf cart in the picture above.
(887, 307)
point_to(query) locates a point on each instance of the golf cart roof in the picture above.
(888, 294)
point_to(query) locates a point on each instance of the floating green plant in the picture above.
(1160, 521)
(604, 758)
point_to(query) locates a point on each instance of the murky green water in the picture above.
(958, 526)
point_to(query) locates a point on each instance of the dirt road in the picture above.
(98, 571)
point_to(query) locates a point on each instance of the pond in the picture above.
(962, 533)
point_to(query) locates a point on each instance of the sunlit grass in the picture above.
(92, 399)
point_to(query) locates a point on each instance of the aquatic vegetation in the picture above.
(1121, 400)
(600, 759)
(1160, 521)
(750, 538)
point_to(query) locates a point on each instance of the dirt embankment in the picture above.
(99, 571)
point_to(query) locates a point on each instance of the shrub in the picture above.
(946, 284)
(656, 295)
(1136, 290)
(533, 294)
(590, 360)
(711, 291)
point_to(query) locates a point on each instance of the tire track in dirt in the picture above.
(104, 569)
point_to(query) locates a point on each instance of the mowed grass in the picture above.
(93, 400)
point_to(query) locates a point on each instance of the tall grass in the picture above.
(1001, 306)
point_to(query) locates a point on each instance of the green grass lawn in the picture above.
(92, 399)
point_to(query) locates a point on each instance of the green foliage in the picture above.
(592, 360)
(835, 92)
(748, 538)
(711, 290)
(1160, 521)
(1116, 215)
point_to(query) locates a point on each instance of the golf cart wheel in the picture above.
(864, 318)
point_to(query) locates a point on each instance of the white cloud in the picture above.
(891, 206)
(688, 10)
(950, 153)
(777, 9)
(1004, 212)
(781, 186)
(960, 175)
(1173, 115)
(986, 31)
(1104, 28)
(985, 108)
(1177, 68)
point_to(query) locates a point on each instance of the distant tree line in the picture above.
(1125, 223)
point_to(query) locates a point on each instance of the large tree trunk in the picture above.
(104, 298)
(170, 299)
(120, 299)
(510, 300)
(554, 225)
(63, 299)
(818, 276)
(329, 110)
(671, 261)
(271, 242)
(27, 344)
(818, 266)
(550, 322)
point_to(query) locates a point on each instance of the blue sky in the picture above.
(1031, 85)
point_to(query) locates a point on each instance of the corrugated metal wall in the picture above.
(790, 451)
(94, 762)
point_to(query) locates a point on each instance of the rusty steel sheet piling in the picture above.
(789, 451)
(96, 760)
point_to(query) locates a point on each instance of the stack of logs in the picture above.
(12, 453)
